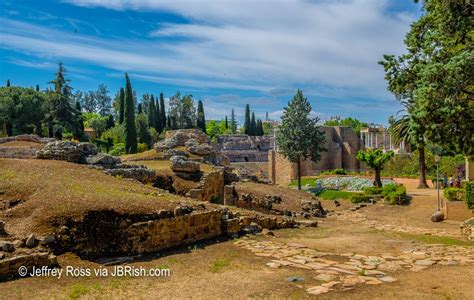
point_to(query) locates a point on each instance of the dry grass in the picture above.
(163, 166)
(147, 155)
(57, 189)
(21, 144)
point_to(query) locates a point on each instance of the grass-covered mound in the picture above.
(54, 190)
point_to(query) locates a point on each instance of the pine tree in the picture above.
(8, 82)
(130, 129)
(152, 113)
(247, 120)
(299, 136)
(201, 120)
(122, 105)
(253, 125)
(233, 123)
(163, 113)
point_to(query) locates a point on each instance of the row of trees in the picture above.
(434, 81)
(252, 126)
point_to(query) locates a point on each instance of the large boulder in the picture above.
(201, 149)
(180, 164)
(103, 160)
(67, 150)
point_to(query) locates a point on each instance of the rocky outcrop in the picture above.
(181, 165)
(177, 138)
(167, 154)
(67, 150)
(136, 172)
(312, 208)
(27, 138)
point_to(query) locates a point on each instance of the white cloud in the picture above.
(330, 48)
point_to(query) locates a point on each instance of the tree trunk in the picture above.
(422, 169)
(298, 174)
(377, 181)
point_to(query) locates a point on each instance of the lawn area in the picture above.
(334, 194)
(310, 180)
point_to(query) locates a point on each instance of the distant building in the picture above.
(378, 136)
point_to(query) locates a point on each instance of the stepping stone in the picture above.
(273, 265)
(330, 284)
(282, 262)
(424, 262)
(300, 266)
(342, 271)
(316, 266)
(418, 268)
(325, 277)
(387, 279)
(373, 282)
(295, 245)
(317, 290)
(295, 279)
(296, 260)
(348, 267)
(389, 266)
(330, 272)
(374, 273)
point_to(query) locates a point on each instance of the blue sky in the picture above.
(226, 53)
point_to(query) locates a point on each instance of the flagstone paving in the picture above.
(360, 218)
(347, 270)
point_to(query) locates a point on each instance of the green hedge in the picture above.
(335, 172)
(372, 190)
(469, 194)
(454, 194)
(360, 198)
(392, 193)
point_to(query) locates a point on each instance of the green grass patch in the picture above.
(78, 290)
(431, 239)
(220, 264)
(311, 181)
(334, 194)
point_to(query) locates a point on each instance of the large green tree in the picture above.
(129, 118)
(233, 122)
(437, 74)
(375, 159)
(299, 137)
(121, 105)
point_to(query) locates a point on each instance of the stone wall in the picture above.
(9, 266)
(342, 145)
(245, 148)
(211, 187)
(152, 236)
(23, 153)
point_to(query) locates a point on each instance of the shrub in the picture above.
(394, 193)
(118, 149)
(334, 194)
(454, 194)
(469, 194)
(335, 172)
(360, 198)
(142, 147)
(372, 190)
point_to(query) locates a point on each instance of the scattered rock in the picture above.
(295, 279)
(267, 232)
(104, 160)
(424, 262)
(180, 164)
(387, 279)
(325, 277)
(31, 241)
(7, 246)
(67, 150)
(437, 216)
(313, 208)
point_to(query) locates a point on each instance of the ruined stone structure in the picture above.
(378, 137)
(342, 145)
(244, 148)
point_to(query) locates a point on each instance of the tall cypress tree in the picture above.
(253, 125)
(37, 88)
(8, 82)
(247, 128)
(201, 120)
(122, 105)
(233, 123)
(159, 123)
(140, 108)
(163, 113)
(226, 123)
(129, 119)
(152, 113)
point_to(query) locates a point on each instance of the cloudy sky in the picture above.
(227, 52)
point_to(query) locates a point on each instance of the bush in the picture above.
(454, 194)
(372, 190)
(118, 149)
(360, 198)
(469, 194)
(394, 193)
(142, 147)
(335, 172)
